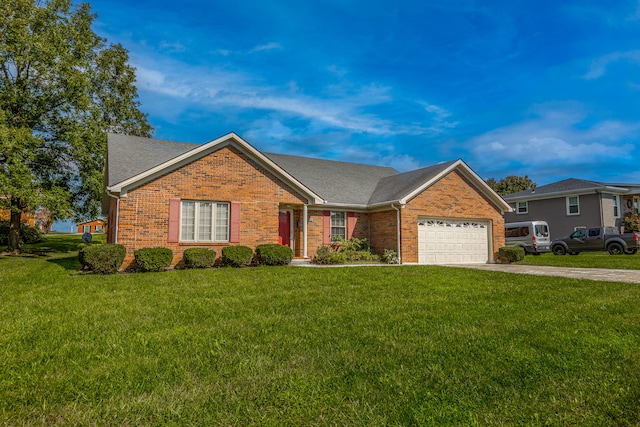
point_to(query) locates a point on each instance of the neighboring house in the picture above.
(574, 203)
(25, 217)
(226, 192)
(93, 226)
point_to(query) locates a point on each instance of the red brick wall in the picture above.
(384, 231)
(451, 197)
(225, 175)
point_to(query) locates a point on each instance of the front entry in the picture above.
(284, 228)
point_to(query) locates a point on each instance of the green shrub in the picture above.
(102, 259)
(153, 259)
(509, 254)
(28, 234)
(390, 256)
(273, 254)
(325, 255)
(31, 234)
(631, 222)
(236, 256)
(199, 258)
(352, 245)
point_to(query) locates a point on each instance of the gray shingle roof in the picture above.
(128, 156)
(395, 187)
(336, 182)
(570, 184)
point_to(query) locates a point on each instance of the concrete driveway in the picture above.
(602, 274)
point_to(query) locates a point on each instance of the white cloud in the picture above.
(340, 107)
(599, 65)
(554, 136)
(265, 47)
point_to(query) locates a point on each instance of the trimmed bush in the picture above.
(325, 255)
(153, 259)
(102, 259)
(509, 254)
(273, 254)
(236, 256)
(199, 258)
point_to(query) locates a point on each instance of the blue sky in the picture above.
(548, 89)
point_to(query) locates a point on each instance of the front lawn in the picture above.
(585, 260)
(314, 346)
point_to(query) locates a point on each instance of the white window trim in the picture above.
(213, 221)
(334, 226)
(86, 229)
(616, 205)
(569, 205)
(526, 208)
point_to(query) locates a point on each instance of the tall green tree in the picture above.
(62, 87)
(511, 184)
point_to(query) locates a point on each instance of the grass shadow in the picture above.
(69, 263)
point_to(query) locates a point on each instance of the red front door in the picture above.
(284, 228)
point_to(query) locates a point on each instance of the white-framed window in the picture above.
(98, 229)
(636, 205)
(86, 229)
(616, 206)
(522, 208)
(573, 205)
(338, 225)
(204, 221)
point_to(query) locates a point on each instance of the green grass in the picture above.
(304, 346)
(585, 260)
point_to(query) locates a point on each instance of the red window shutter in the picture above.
(234, 231)
(351, 224)
(326, 227)
(174, 221)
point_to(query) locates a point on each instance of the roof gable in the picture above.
(178, 154)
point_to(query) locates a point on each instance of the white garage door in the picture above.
(452, 241)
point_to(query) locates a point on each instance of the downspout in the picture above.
(304, 231)
(398, 231)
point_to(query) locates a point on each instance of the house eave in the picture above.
(565, 193)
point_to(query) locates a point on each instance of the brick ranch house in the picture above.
(226, 192)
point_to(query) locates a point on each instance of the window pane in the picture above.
(222, 221)
(205, 221)
(337, 219)
(187, 220)
(339, 224)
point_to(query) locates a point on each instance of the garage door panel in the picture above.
(452, 241)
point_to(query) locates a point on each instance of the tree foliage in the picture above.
(511, 184)
(61, 88)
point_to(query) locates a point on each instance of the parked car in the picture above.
(596, 239)
(533, 236)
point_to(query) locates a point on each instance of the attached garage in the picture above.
(446, 241)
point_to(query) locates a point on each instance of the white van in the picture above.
(533, 236)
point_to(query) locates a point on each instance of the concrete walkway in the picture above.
(602, 274)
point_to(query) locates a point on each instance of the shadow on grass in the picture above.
(69, 263)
